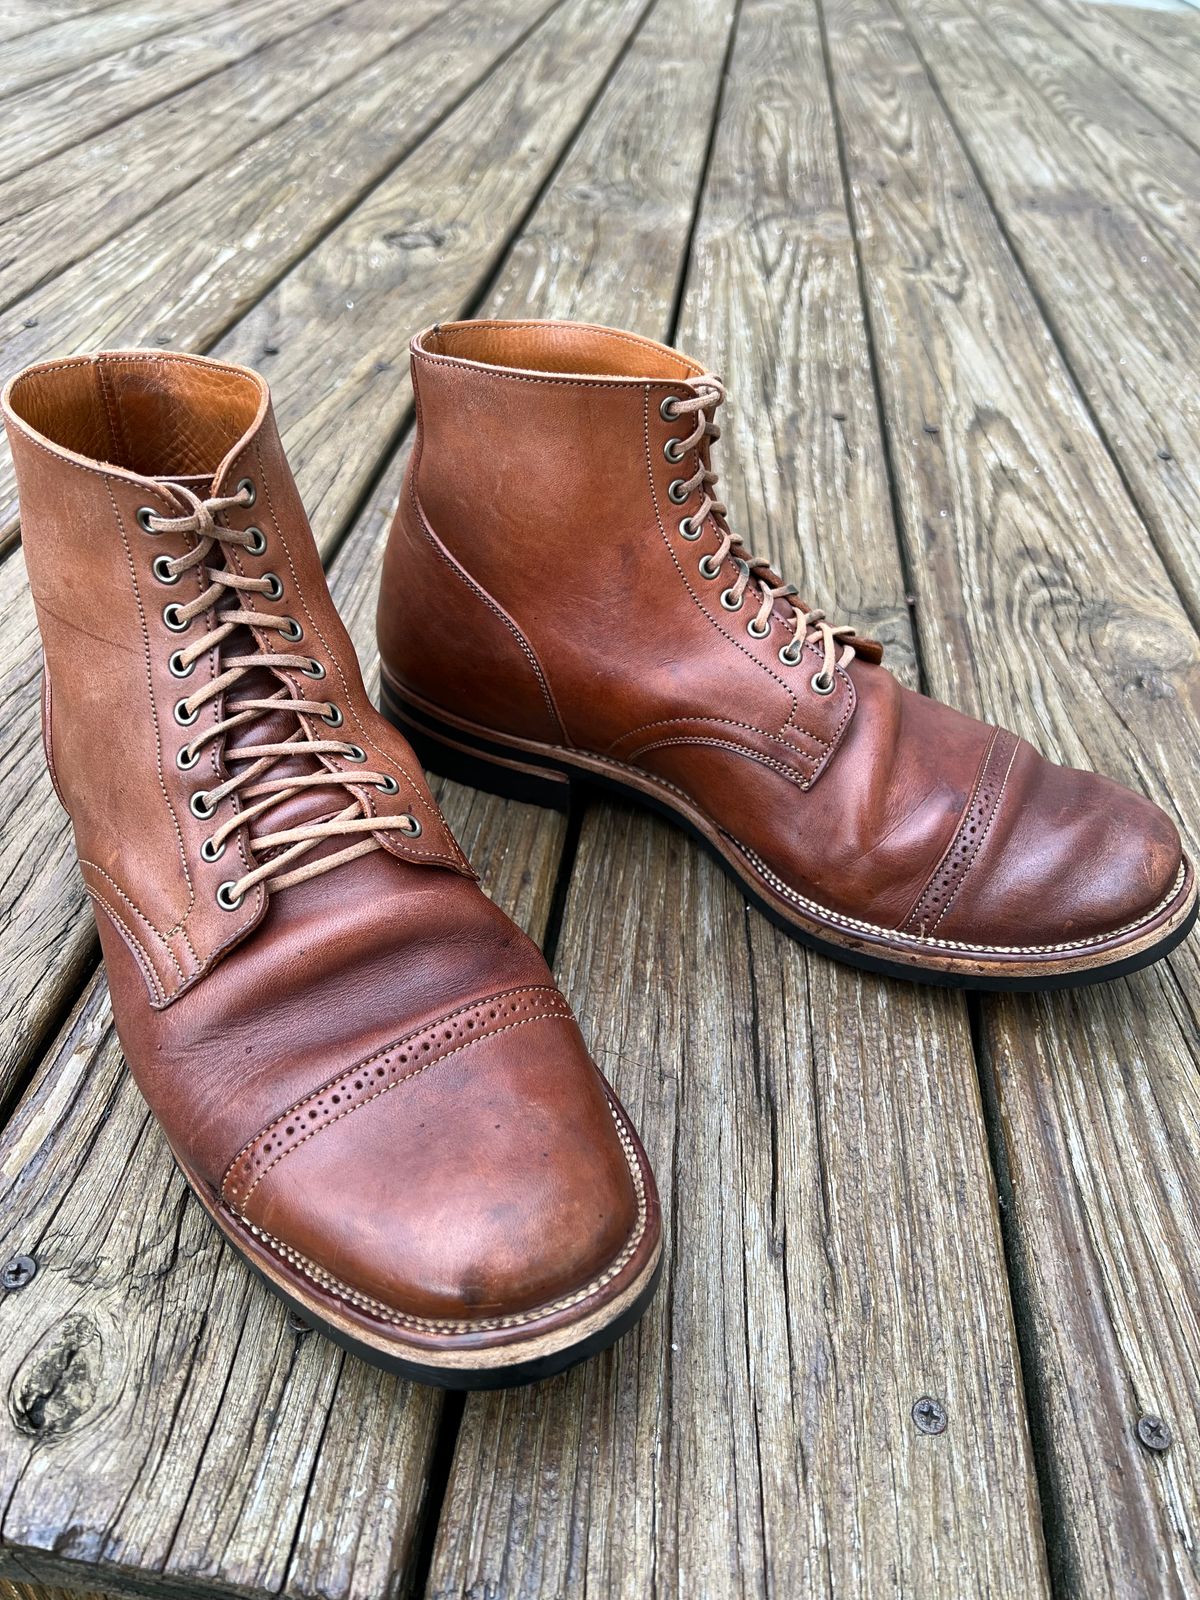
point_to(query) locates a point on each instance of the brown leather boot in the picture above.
(564, 599)
(364, 1069)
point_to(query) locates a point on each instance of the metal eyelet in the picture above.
(212, 852)
(688, 529)
(790, 654)
(293, 631)
(388, 786)
(820, 684)
(246, 487)
(314, 669)
(161, 568)
(756, 632)
(274, 590)
(674, 450)
(412, 826)
(256, 541)
(225, 899)
(667, 411)
(173, 620)
(355, 752)
(183, 716)
(333, 716)
(708, 567)
(677, 491)
(176, 666)
(187, 758)
(731, 601)
(144, 513)
(201, 806)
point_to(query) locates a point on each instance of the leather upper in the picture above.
(537, 541)
(454, 1154)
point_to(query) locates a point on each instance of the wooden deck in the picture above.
(945, 253)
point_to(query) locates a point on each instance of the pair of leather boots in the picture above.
(366, 1072)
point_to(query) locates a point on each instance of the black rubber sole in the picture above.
(491, 767)
(515, 1376)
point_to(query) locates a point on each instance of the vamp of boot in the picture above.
(565, 599)
(364, 1069)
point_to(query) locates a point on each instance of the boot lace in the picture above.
(754, 573)
(277, 851)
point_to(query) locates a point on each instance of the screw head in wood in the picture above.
(930, 1415)
(1154, 1433)
(15, 1274)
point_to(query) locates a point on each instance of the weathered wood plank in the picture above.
(1121, 301)
(27, 1591)
(29, 16)
(754, 1436)
(1052, 612)
(48, 117)
(46, 941)
(46, 53)
(204, 127)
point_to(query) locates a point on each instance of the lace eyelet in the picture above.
(173, 620)
(333, 716)
(756, 632)
(674, 450)
(200, 805)
(183, 716)
(731, 601)
(790, 655)
(144, 513)
(412, 826)
(293, 631)
(388, 786)
(161, 568)
(246, 487)
(355, 752)
(187, 758)
(820, 684)
(256, 541)
(176, 665)
(226, 899)
(314, 669)
(274, 591)
(708, 567)
(677, 491)
(212, 852)
(688, 529)
(668, 410)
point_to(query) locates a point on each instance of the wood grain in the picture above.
(754, 1436)
(1053, 613)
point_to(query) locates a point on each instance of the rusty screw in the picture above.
(1154, 1434)
(15, 1274)
(929, 1415)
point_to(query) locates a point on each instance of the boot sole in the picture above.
(510, 1365)
(545, 775)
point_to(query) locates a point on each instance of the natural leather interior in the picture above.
(157, 415)
(579, 348)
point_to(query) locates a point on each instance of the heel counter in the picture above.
(444, 637)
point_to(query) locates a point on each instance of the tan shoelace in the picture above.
(257, 790)
(708, 392)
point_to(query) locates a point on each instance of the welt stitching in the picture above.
(493, 1033)
(378, 1055)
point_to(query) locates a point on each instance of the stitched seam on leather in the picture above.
(516, 324)
(727, 722)
(979, 845)
(412, 795)
(461, 572)
(945, 866)
(735, 749)
(703, 609)
(408, 1041)
(138, 913)
(781, 888)
(116, 430)
(141, 955)
(351, 1296)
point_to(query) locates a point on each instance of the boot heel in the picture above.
(460, 756)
